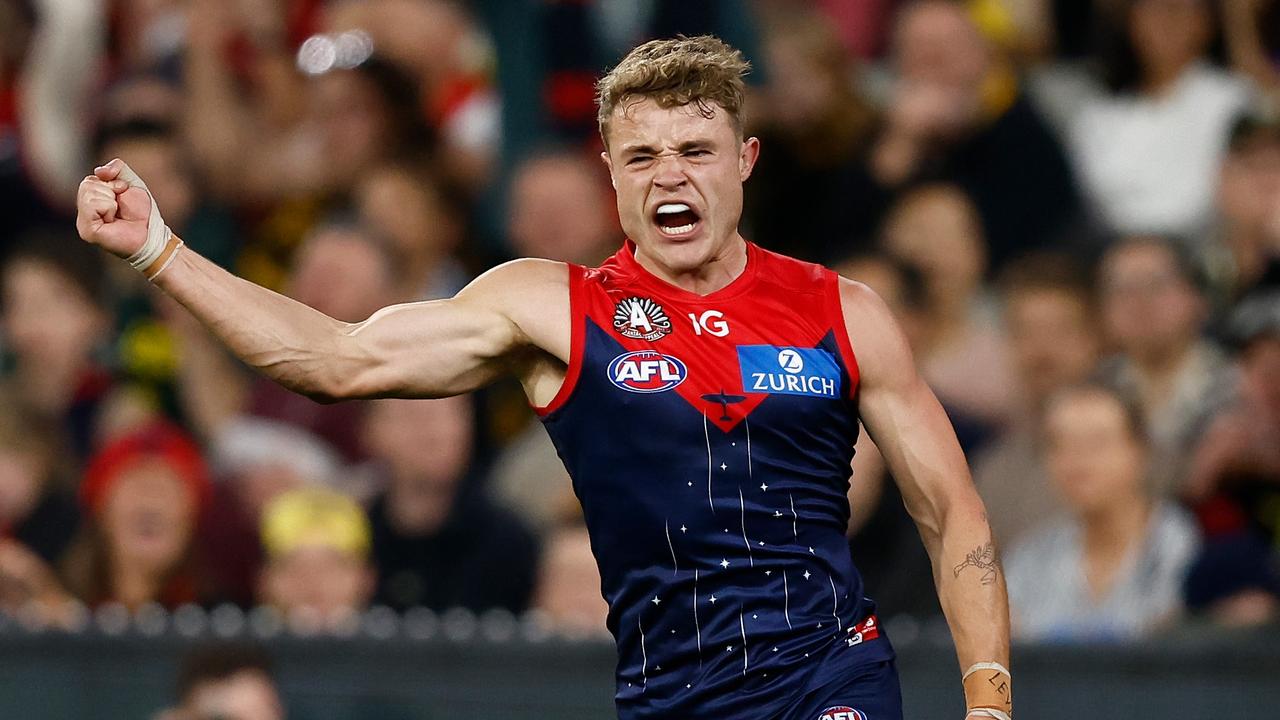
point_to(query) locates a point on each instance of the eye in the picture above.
(697, 153)
(639, 160)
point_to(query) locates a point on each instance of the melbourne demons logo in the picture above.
(641, 319)
(842, 712)
(646, 371)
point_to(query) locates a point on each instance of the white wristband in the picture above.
(989, 713)
(984, 666)
(157, 232)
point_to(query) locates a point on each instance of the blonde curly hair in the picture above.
(704, 71)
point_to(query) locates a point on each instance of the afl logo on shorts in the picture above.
(641, 319)
(646, 371)
(842, 712)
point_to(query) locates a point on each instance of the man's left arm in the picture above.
(920, 449)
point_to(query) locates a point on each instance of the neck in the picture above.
(716, 273)
(1112, 530)
(134, 586)
(1158, 368)
(422, 512)
(1160, 79)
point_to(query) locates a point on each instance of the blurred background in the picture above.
(1073, 207)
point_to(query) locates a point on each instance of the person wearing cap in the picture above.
(142, 497)
(317, 548)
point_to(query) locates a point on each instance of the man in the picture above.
(703, 394)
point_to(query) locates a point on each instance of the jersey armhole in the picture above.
(577, 339)
(841, 331)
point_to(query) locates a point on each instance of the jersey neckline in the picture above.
(736, 287)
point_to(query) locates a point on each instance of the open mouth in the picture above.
(676, 219)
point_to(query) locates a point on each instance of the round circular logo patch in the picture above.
(641, 319)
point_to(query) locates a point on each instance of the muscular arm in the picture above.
(506, 321)
(919, 447)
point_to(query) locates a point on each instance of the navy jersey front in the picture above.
(709, 439)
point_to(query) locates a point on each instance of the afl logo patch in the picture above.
(646, 371)
(842, 712)
(641, 319)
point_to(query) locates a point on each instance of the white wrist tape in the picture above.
(989, 713)
(985, 666)
(157, 232)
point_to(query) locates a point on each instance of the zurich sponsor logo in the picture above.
(647, 371)
(789, 371)
(842, 712)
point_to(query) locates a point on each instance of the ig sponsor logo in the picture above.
(842, 712)
(646, 371)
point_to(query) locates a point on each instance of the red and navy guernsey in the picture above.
(709, 439)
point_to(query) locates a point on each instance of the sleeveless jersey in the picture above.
(709, 439)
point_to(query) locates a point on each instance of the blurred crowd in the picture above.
(1072, 206)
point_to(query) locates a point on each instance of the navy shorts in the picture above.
(872, 693)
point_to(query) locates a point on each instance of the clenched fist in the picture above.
(110, 212)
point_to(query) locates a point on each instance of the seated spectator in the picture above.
(409, 207)
(255, 461)
(1234, 481)
(1154, 310)
(560, 209)
(962, 354)
(568, 593)
(317, 546)
(956, 114)
(37, 518)
(53, 330)
(1112, 568)
(438, 541)
(815, 129)
(231, 682)
(142, 496)
(1248, 204)
(1148, 153)
(1055, 341)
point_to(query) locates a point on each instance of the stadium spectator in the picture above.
(317, 571)
(438, 541)
(962, 351)
(560, 209)
(226, 682)
(1154, 310)
(1235, 471)
(1248, 204)
(1055, 341)
(54, 329)
(142, 497)
(255, 461)
(957, 114)
(1112, 569)
(409, 206)
(815, 129)
(568, 594)
(38, 519)
(1148, 152)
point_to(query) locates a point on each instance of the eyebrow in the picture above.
(651, 150)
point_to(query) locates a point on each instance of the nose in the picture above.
(670, 172)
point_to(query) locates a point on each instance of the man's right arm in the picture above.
(425, 349)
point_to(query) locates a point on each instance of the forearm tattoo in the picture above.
(984, 559)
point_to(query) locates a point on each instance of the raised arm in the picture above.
(427, 349)
(919, 447)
